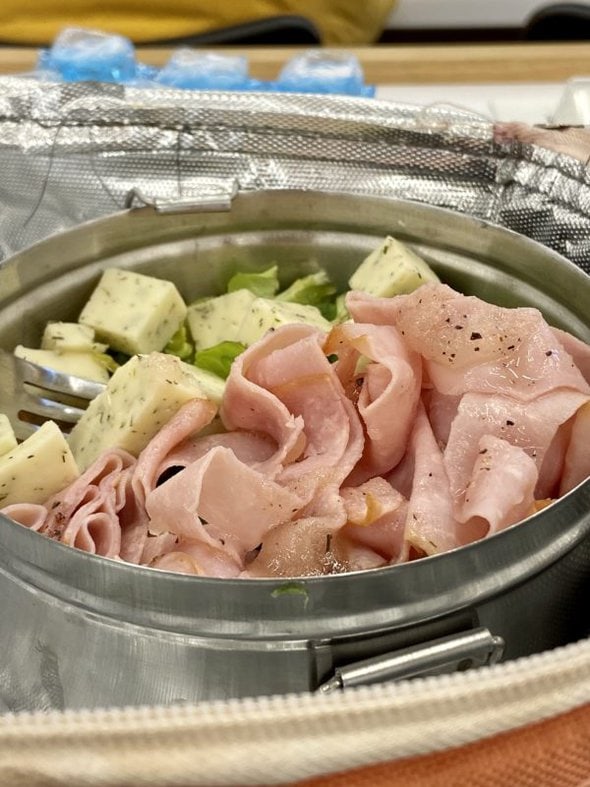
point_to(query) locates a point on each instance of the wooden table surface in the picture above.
(407, 64)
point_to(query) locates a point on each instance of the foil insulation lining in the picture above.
(73, 152)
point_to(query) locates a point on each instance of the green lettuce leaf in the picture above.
(316, 289)
(219, 358)
(180, 345)
(264, 284)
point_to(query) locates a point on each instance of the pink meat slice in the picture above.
(376, 515)
(157, 546)
(248, 406)
(238, 503)
(388, 395)
(191, 418)
(552, 466)
(576, 466)
(98, 512)
(94, 526)
(200, 559)
(579, 351)
(471, 345)
(441, 410)
(431, 525)
(303, 380)
(528, 425)
(501, 489)
(31, 515)
(301, 548)
(250, 448)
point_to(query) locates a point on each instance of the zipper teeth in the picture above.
(558, 679)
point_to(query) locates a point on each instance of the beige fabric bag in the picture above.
(281, 740)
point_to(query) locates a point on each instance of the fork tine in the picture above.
(56, 411)
(52, 380)
(25, 390)
(22, 429)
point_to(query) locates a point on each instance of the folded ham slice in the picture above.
(576, 465)
(31, 515)
(151, 463)
(97, 513)
(388, 383)
(221, 502)
(431, 525)
(196, 557)
(501, 487)
(469, 345)
(248, 406)
(375, 527)
(530, 426)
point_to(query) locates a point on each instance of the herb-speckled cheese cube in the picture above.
(80, 364)
(70, 336)
(392, 269)
(266, 314)
(37, 468)
(217, 320)
(8, 440)
(210, 384)
(141, 396)
(134, 313)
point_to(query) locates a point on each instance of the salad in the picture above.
(300, 431)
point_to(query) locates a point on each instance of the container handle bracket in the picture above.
(475, 648)
(211, 198)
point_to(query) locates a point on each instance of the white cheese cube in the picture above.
(141, 396)
(217, 320)
(211, 385)
(8, 440)
(134, 313)
(37, 468)
(80, 364)
(70, 336)
(266, 314)
(392, 269)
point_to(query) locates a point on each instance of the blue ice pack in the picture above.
(79, 55)
(324, 71)
(198, 70)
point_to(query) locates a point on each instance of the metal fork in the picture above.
(31, 394)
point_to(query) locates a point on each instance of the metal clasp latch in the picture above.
(474, 648)
(212, 197)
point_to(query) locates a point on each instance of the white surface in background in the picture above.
(464, 13)
(521, 102)
(574, 105)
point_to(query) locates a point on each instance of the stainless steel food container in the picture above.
(84, 631)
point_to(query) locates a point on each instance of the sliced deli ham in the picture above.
(431, 525)
(248, 406)
(531, 426)
(501, 487)
(389, 383)
(430, 421)
(191, 418)
(98, 512)
(577, 456)
(220, 501)
(469, 345)
(31, 515)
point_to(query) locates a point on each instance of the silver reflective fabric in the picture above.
(72, 152)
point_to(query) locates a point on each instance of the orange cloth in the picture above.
(551, 753)
(39, 21)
